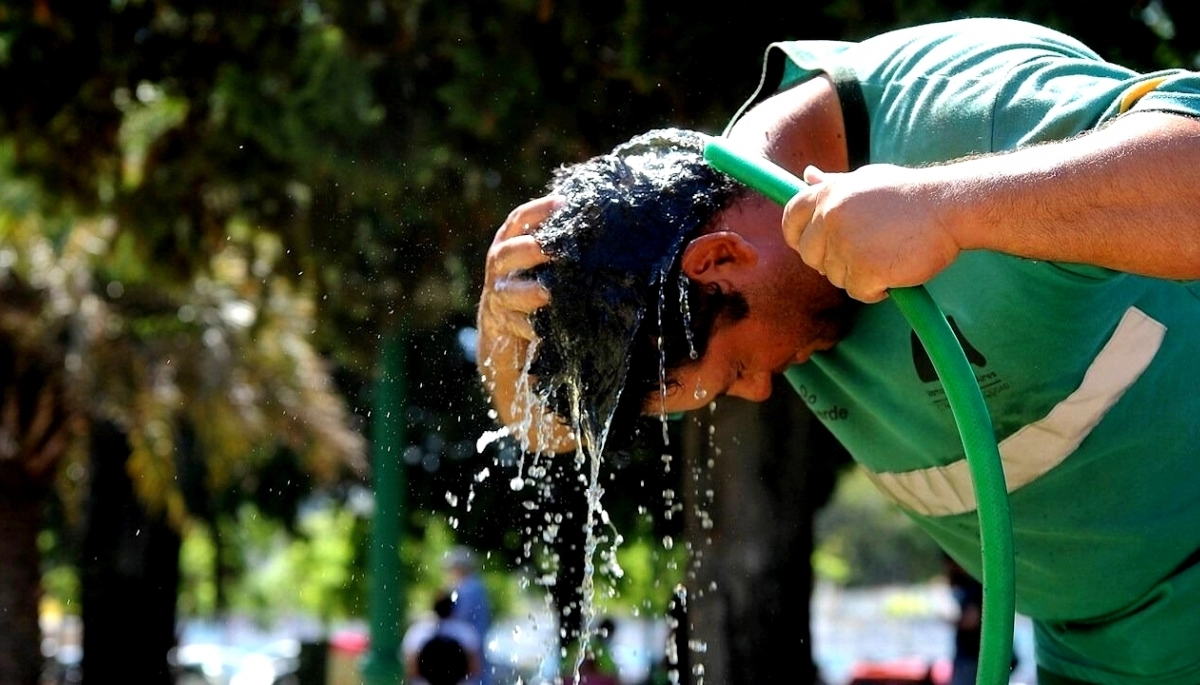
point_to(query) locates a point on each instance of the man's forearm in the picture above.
(1125, 197)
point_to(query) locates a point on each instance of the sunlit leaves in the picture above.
(145, 119)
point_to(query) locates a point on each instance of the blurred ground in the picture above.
(895, 623)
(909, 623)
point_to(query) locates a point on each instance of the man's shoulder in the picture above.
(417, 634)
(463, 632)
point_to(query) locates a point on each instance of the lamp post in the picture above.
(385, 587)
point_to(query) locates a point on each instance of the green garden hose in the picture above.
(966, 404)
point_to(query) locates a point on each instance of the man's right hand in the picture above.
(508, 297)
(505, 331)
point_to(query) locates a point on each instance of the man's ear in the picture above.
(711, 255)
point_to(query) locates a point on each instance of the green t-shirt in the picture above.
(1088, 374)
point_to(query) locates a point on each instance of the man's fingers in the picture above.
(803, 231)
(865, 293)
(507, 298)
(525, 218)
(519, 295)
(514, 248)
(508, 304)
(836, 272)
(804, 223)
(796, 215)
(811, 244)
(813, 175)
(511, 302)
(862, 287)
(515, 254)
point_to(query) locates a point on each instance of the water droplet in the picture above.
(687, 314)
(517, 484)
(489, 437)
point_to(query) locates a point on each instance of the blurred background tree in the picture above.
(212, 213)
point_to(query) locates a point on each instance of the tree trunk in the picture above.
(130, 575)
(21, 502)
(33, 436)
(769, 468)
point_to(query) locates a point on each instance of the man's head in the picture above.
(621, 315)
(443, 605)
(460, 562)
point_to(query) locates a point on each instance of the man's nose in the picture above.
(754, 387)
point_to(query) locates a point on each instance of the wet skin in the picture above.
(793, 310)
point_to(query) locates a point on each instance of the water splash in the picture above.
(489, 438)
(606, 281)
(686, 310)
(662, 364)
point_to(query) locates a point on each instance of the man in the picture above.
(471, 604)
(968, 623)
(441, 649)
(1049, 202)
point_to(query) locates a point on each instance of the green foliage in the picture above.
(275, 574)
(158, 246)
(265, 571)
(315, 572)
(60, 580)
(198, 591)
(653, 568)
(423, 558)
(863, 539)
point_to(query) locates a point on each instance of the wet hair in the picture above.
(620, 310)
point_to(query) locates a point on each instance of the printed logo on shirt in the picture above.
(990, 383)
(823, 411)
(924, 364)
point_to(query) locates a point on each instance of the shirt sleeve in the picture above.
(1173, 91)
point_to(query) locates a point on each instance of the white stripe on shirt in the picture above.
(1036, 448)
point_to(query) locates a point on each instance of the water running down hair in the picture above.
(620, 310)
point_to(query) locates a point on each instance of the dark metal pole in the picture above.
(386, 591)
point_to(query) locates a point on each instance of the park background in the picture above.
(240, 245)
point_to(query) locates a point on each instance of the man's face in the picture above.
(741, 360)
(793, 311)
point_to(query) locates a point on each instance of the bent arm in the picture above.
(1122, 197)
(506, 337)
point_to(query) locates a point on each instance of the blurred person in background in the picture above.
(471, 603)
(439, 649)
